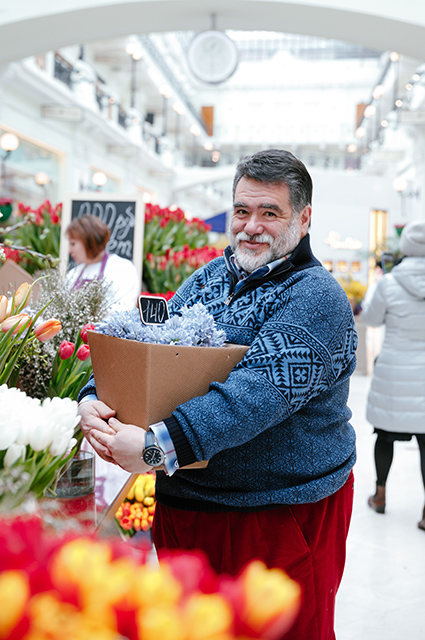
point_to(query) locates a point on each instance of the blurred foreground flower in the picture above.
(85, 588)
(36, 441)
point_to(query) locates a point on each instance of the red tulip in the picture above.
(20, 320)
(83, 333)
(47, 330)
(66, 349)
(83, 352)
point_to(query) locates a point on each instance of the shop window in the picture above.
(355, 266)
(342, 266)
(329, 265)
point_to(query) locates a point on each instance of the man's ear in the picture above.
(305, 220)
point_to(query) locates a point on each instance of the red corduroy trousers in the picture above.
(306, 540)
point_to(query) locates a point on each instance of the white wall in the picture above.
(342, 202)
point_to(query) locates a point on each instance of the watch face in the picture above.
(212, 56)
(153, 456)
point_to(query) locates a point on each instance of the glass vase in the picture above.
(78, 479)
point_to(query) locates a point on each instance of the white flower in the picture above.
(41, 425)
(14, 452)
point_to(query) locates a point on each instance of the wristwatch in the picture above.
(152, 454)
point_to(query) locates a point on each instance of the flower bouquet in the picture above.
(20, 331)
(55, 588)
(136, 512)
(36, 441)
(129, 360)
(47, 368)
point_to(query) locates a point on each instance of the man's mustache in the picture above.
(262, 237)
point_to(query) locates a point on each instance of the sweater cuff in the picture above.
(185, 455)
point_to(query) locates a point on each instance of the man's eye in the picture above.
(241, 212)
(270, 214)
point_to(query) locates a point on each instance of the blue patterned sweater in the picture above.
(277, 431)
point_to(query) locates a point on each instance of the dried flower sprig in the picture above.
(74, 308)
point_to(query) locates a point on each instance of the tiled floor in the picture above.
(382, 595)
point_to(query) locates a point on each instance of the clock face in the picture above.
(153, 456)
(212, 57)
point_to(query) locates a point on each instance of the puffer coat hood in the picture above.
(396, 400)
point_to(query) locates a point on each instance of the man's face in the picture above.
(263, 227)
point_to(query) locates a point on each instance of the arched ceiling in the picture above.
(28, 28)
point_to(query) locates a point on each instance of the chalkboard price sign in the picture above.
(153, 309)
(124, 215)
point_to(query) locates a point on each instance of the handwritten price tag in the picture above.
(153, 309)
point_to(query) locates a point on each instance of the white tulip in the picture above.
(7, 434)
(60, 445)
(14, 452)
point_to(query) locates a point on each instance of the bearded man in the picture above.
(278, 486)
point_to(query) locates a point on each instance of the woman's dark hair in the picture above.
(276, 166)
(92, 232)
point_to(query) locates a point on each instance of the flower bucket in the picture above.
(78, 479)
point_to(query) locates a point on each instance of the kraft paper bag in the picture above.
(144, 383)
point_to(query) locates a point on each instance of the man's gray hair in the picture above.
(276, 166)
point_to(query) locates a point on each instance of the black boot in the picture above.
(421, 523)
(377, 501)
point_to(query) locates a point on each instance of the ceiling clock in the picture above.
(212, 56)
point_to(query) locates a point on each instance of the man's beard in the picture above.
(249, 260)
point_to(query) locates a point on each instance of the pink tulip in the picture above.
(47, 330)
(83, 333)
(83, 352)
(3, 308)
(20, 320)
(66, 349)
(21, 293)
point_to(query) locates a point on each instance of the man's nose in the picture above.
(254, 225)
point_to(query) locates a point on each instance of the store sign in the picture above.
(58, 112)
(335, 242)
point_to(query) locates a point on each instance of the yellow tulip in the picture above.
(22, 295)
(47, 330)
(155, 585)
(14, 593)
(3, 308)
(272, 599)
(160, 621)
(208, 617)
(20, 320)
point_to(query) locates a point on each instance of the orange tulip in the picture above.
(21, 293)
(3, 308)
(47, 330)
(20, 320)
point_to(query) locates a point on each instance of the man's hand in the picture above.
(125, 444)
(95, 415)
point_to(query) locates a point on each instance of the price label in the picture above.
(153, 309)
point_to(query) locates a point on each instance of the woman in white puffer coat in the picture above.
(396, 401)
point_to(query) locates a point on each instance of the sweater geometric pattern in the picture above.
(277, 431)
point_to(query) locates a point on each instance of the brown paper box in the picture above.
(145, 382)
